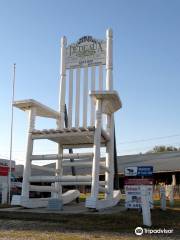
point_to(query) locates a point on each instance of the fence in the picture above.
(156, 192)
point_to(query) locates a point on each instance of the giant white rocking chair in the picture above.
(87, 55)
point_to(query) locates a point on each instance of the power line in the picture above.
(149, 139)
(142, 148)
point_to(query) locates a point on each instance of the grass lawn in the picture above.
(33, 235)
(30, 226)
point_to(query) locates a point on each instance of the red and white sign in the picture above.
(138, 181)
(4, 167)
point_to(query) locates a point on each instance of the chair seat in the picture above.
(71, 136)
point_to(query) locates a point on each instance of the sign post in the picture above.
(171, 195)
(145, 206)
(139, 190)
(163, 198)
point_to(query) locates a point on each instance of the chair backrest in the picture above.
(83, 67)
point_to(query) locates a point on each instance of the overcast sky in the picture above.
(146, 64)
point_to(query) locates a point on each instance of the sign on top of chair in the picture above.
(87, 51)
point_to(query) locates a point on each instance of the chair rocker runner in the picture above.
(90, 102)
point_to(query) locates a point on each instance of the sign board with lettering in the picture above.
(139, 171)
(145, 171)
(133, 196)
(133, 183)
(138, 181)
(87, 51)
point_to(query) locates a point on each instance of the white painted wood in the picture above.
(67, 178)
(41, 109)
(53, 194)
(77, 53)
(173, 180)
(109, 59)
(109, 176)
(42, 168)
(77, 155)
(145, 206)
(104, 190)
(79, 136)
(43, 188)
(76, 183)
(97, 145)
(110, 100)
(77, 97)
(70, 102)
(59, 171)
(62, 156)
(110, 118)
(100, 77)
(53, 189)
(93, 75)
(104, 203)
(27, 166)
(85, 95)
(67, 197)
(62, 81)
(171, 194)
(163, 197)
(81, 146)
(105, 134)
(102, 166)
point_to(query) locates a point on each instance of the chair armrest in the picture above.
(110, 100)
(41, 109)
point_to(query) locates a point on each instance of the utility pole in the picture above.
(11, 134)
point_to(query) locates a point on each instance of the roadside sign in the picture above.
(138, 171)
(130, 171)
(134, 182)
(138, 181)
(133, 196)
(145, 171)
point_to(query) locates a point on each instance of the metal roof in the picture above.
(162, 162)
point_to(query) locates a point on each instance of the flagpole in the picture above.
(11, 134)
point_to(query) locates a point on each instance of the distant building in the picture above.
(165, 165)
(4, 172)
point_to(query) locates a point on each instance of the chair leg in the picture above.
(59, 172)
(96, 158)
(109, 176)
(27, 166)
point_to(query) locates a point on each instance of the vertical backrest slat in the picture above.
(109, 60)
(70, 100)
(62, 81)
(77, 97)
(85, 95)
(93, 76)
(100, 77)
(86, 53)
